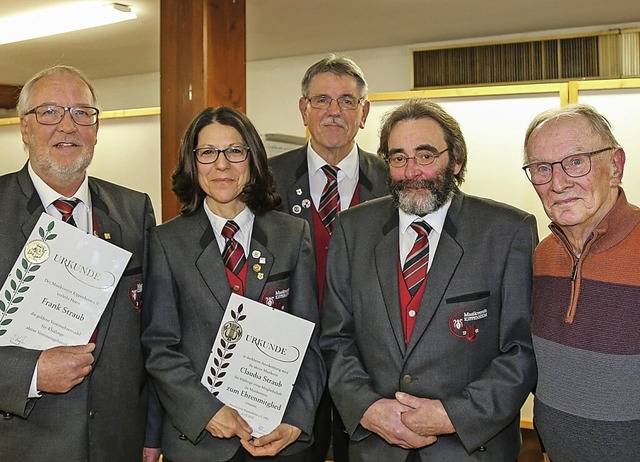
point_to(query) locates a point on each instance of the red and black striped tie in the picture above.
(415, 266)
(65, 207)
(330, 199)
(233, 253)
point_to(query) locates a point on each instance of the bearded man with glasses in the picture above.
(426, 313)
(586, 290)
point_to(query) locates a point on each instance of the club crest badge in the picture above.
(275, 297)
(135, 294)
(463, 323)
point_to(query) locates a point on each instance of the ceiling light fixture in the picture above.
(61, 19)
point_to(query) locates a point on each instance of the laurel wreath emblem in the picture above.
(18, 284)
(223, 351)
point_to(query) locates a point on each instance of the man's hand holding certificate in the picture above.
(255, 359)
(59, 287)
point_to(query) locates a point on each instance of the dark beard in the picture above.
(429, 196)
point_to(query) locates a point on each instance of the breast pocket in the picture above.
(468, 314)
(276, 291)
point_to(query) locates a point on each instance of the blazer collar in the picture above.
(386, 263)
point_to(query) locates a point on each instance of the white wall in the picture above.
(273, 86)
(128, 150)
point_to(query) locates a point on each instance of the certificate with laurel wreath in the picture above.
(59, 286)
(255, 360)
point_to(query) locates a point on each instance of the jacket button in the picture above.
(6, 416)
(182, 436)
(407, 379)
(92, 414)
(482, 449)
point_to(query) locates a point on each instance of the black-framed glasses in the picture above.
(346, 103)
(424, 157)
(52, 114)
(234, 154)
(575, 166)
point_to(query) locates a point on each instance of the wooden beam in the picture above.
(202, 63)
(9, 96)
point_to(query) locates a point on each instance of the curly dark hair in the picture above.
(258, 194)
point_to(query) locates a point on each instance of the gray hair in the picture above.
(338, 65)
(25, 93)
(598, 123)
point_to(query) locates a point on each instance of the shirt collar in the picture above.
(48, 194)
(433, 219)
(348, 165)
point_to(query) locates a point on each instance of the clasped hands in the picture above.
(227, 423)
(407, 421)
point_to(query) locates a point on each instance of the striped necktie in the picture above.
(233, 253)
(65, 207)
(330, 199)
(415, 266)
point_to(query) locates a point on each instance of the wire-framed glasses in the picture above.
(575, 166)
(424, 157)
(346, 103)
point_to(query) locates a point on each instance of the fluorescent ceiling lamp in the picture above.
(61, 19)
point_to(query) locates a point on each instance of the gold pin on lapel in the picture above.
(255, 254)
(107, 236)
(260, 276)
(257, 267)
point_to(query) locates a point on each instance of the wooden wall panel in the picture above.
(202, 63)
(9, 96)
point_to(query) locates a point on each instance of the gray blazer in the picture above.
(482, 267)
(188, 293)
(291, 174)
(103, 418)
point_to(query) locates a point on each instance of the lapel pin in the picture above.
(296, 209)
(263, 261)
(255, 254)
(257, 267)
(306, 203)
(107, 236)
(299, 192)
(260, 276)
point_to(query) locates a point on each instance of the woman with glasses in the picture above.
(227, 239)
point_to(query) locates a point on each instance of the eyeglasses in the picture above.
(346, 103)
(424, 157)
(234, 154)
(49, 114)
(575, 166)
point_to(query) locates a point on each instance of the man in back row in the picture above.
(85, 402)
(331, 173)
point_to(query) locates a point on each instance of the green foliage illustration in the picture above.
(18, 283)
